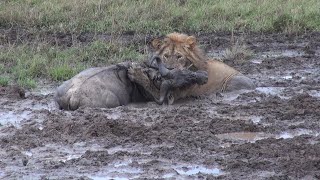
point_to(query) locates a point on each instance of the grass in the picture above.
(27, 63)
(238, 51)
(24, 63)
(4, 81)
(161, 16)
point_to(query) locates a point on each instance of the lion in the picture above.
(181, 51)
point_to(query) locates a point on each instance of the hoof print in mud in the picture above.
(25, 161)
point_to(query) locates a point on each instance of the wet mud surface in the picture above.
(271, 132)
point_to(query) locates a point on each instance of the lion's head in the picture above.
(179, 51)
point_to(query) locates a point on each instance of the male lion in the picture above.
(181, 51)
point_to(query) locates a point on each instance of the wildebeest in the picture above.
(105, 87)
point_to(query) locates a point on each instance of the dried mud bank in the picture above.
(271, 132)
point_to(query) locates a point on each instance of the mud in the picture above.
(271, 132)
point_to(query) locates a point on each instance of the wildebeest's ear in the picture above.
(156, 44)
(191, 42)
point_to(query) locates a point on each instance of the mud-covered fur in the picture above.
(177, 80)
(100, 87)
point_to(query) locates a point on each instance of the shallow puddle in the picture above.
(276, 91)
(116, 172)
(116, 149)
(314, 93)
(105, 177)
(21, 110)
(216, 53)
(244, 136)
(14, 118)
(258, 59)
(287, 77)
(284, 53)
(114, 115)
(56, 152)
(294, 133)
(256, 119)
(124, 170)
(280, 91)
(193, 170)
(254, 136)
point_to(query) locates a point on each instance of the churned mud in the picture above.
(271, 132)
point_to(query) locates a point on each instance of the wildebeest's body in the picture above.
(99, 87)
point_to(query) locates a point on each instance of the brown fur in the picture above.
(181, 51)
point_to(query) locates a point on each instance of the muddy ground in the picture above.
(271, 132)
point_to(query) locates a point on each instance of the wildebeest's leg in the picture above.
(111, 100)
(165, 87)
(62, 97)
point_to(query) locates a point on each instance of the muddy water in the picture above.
(269, 132)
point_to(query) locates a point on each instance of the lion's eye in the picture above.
(179, 56)
(166, 56)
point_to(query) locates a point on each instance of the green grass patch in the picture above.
(27, 83)
(25, 64)
(4, 81)
(145, 16)
(63, 72)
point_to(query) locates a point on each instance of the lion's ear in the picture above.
(156, 44)
(191, 41)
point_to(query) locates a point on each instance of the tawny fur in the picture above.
(181, 51)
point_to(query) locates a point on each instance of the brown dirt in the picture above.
(271, 132)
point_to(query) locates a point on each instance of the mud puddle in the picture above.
(259, 57)
(269, 132)
(14, 111)
(254, 136)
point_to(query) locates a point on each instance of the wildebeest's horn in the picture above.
(152, 59)
(160, 66)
